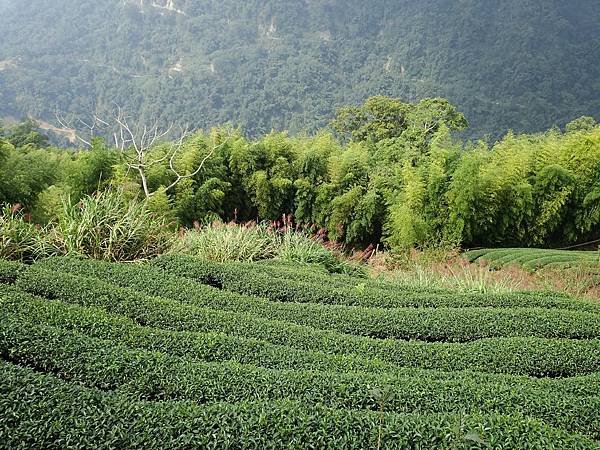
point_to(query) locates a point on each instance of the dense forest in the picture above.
(287, 64)
(384, 172)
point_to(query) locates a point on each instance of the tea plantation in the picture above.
(182, 353)
(535, 258)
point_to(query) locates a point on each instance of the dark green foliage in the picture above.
(98, 354)
(26, 172)
(26, 133)
(418, 187)
(430, 324)
(382, 118)
(404, 181)
(527, 356)
(91, 418)
(529, 191)
(533, 259)
(156, 376)
(279, 286)
(9, 271)
(485, 354)
(36, 177)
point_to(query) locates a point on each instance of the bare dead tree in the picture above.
(75, 124)
(139, 143)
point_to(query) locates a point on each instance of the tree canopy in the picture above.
(401, 177)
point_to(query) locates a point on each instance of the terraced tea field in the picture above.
(180, 353)
(533, 258)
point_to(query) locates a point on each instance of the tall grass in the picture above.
(453, 271)
(458, 278)
(108, 226)
(301, 248)
(254, 242)
(102, 226)
(17, 236)
(222, 242)
(449, 270)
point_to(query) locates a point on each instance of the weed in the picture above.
(222, 242)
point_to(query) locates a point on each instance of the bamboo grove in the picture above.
(384, 172)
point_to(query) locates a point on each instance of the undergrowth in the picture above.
(101, 226)
(448, 269)
(230, 242)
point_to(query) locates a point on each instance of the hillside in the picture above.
(263, 64)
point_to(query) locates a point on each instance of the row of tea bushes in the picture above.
(526, 356)
(427, 324)
(156, 376)
(41, 411)
(533, 258)
(237, 278)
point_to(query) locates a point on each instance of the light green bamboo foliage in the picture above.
(406, 226)
(553, 187)
(265, 171)
(355, 210)
(444, 154)
(464, 192)
(405, 180)
(311, 167)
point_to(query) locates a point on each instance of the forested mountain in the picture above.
(286, 64)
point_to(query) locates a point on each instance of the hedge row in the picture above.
(441, 324)
(498, 253)
(521, 356)
(275, 269)
(153, 282)
(533, 261)
(156, 376)
(250, 281)
(209, 347)
(512, 259)
(9, 271)
(286, 270)
(235, 278)
(538, 263)
(40, 411)
(533, 258)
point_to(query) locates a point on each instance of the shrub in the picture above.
(41, 411)
(156, 376)
(107, 226)
(277, 285)
(9, 271)
(532, 258)
(440, 324)
(526, 356)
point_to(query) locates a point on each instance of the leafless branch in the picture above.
(206, 157)
(67, 125)
(138, 141)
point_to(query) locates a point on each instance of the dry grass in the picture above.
(577, 281)
(449, 270)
